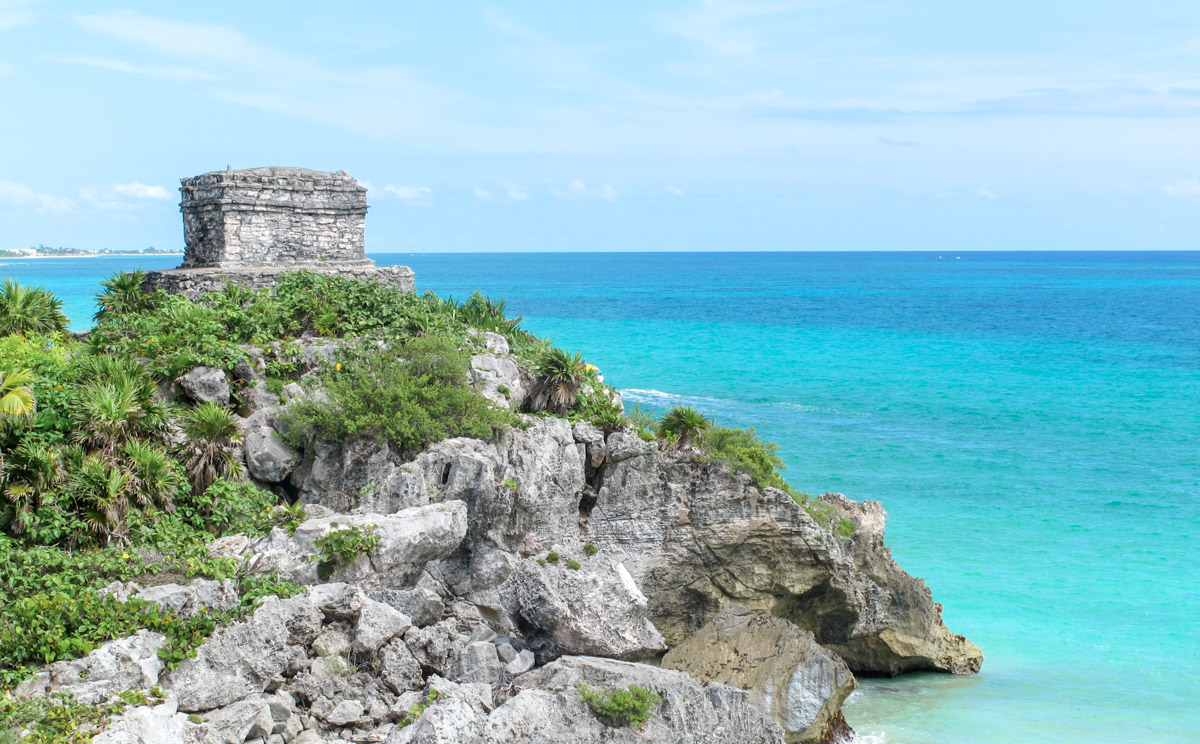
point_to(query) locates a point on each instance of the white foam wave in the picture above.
(873, 738)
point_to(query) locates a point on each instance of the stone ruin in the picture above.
(250, 226)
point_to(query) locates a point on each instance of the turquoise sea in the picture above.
(1031, 422)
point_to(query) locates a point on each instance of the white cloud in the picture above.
(6, 69)
(20, 195)
(417, 196)
(174, 74)
(1184, 189)
(515, 194)
(674, 191)
(577, 189)
(986, 193)
(16, 13)
(482, 193)
(141, 190)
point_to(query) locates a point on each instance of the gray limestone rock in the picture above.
(235, 723)
(255, 398)
(346, 713)
(481, 664)
(399, 669)
(241, 659)
(789, 677)
(205, 385)
(592, 440)
(521, 662)
(490, 372)
(596, 610)
(147, 724)
(129, 663)
(438, 647)
(623, 445)
(199, 595)
(407, 541)
(378, 623)
(267, 458)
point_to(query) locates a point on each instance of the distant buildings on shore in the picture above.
(43, 251)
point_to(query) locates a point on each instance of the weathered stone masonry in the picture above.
(249, 226)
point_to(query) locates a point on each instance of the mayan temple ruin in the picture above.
(249, 226)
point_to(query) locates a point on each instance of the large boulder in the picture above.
(129, 663)
(147, 724)
(185, 600)
(698, 537)
(205, 385)
(267, 457)
(241, 659)
(596, 610)
(498, 378)
(788, 675)
(408, 540)
(549, 710)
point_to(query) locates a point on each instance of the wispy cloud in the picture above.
(235, 67)
(6, 69)
(416, 196)
(1184, 189)
(577, 189)
(16, 13)
(733, 26)
(141, 191)
(674, 191)
(26, 199)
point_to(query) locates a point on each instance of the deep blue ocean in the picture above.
(1031, 422)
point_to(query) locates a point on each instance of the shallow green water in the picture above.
(1030, 422)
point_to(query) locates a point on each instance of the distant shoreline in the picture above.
(91, 255)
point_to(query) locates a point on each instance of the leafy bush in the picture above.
(553, 557)
(559, 377)
(743, 451)
(591, 549)
(60, 719)
(343, 547)
(574, 565)
(628, 706)
(411, 396)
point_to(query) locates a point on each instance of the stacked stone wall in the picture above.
(192, 283)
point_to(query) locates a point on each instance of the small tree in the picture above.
(209, 454)
(560, 375)
(685, 426)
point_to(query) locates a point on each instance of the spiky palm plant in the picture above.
(560, 375)
(16, 396)
(101, 492)
(29, 472)
(124, 292)
(154, 480)
(209, 453)
(684, 425)
(29, 310)
(111, 411)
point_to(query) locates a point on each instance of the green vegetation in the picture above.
(27, 310)
(684, 426)
(60, 719)
(628, 706)
(415, 712)
(509, 483)
(412, 394)
(591, 549)
(552, 557)
(343, 547)
(560, 375)
(573, 565)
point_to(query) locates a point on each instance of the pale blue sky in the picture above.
(682, 125)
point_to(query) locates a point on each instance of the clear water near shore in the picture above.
(1031, 422)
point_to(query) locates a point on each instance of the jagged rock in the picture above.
(255, 398)
(146, 724)
(493, 342)
(521, 662)
(596, 610)
(120, 590)
(591, 439)
(548, 709)
(200, 594)
(490, 372)
(205, 385)
(267, 458)
(407, 541)
(399, 669)
(338, 600)
(481, 664)
(505, 651)
(623, 445)
(346, 713)
(378, 623)
(241, 659)
(423, 603)
(235, 723)
(483, 634)
(438, 647)
(698, 538)
(456, 716)
(789, 677)
(331, 642)
(129, 663)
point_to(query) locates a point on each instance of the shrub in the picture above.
(29, 310)
(411, 396)
(559, 377)
(591, 549)
(552, 557)
(342, 547)
(743, 451)
(685, 426)
(628, 706)
(573, 565)
(209, 453)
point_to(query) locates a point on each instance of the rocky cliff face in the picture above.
(509, 572)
